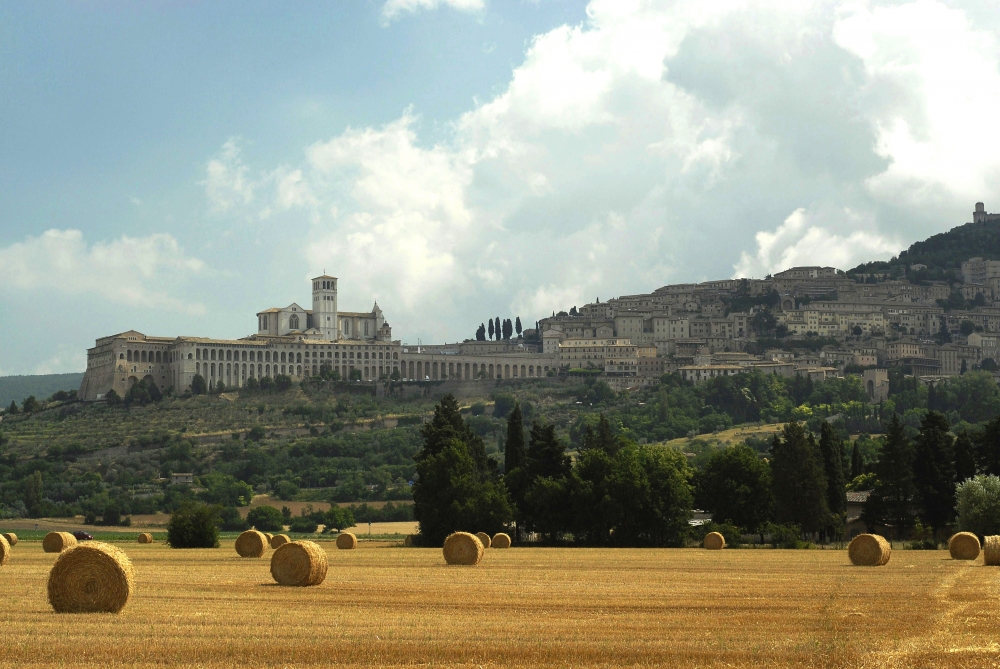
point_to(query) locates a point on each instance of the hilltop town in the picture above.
(927, 312)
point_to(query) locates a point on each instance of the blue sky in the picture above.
(176, 167)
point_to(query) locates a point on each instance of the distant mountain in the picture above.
(942, 254)
(42, 386)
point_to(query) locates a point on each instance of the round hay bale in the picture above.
(251, 544)
(145, 538)
(11, 538)
(869, 550)
(484, 539)
(714, 541)
(269, 537)
(991, 551)
(299, 563)
(347, 541)
(411, 540)
(500, 540)
(4, 550)
(91, 578)
(463, 548)
(279, 540)
(964, 546)
(57, 542)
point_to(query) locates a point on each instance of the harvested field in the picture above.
(382, 605)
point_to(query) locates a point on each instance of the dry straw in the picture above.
(269, 537)
(11, 538)
(500, 540)
(991, 551)
(299, 563)
(279, 540)
(145, 538)
(964, 546)
(91, 578)
(714, 541)
(347, 541)
(463, 548)
(4, 551)
(251, 544)
(484, 539)
(57, 542)
(869, 550)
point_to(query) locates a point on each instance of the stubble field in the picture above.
(384, 605)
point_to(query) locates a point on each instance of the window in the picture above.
(293, 322)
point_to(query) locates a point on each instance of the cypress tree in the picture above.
(498, 328)
(800, 488)
(965, 457)
(514, 454)
(857, 462)
(934, 471)
(546, 456)
(931, 398)
(491, 328)
(891, 501)
(833, 467)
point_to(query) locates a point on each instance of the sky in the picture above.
(177, 167)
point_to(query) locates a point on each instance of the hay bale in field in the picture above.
(57, 542)
(4, 550)
(869, 550)
(91, 578)
(299, 563)
(145, 538)
(484, 539)
(714, 541)
(991, 551)
(11, 538)
(347, 541)
(463, 548)
(269, 537)
(252, 544)
(279, 540)
(500, 540)
(411, 540)
(964, 546)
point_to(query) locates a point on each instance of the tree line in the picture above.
(498, 329)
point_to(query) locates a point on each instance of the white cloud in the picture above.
(227, 183)
(66, 359)
(799, 241)
(932, 86)
(129, 270)
(393, 8)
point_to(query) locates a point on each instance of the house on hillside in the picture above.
(856, 500)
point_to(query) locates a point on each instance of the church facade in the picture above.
(295, 342)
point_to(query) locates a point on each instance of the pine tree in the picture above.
(857, 462)
(800, 488)
(891, 501)
(491, 329)
(833, 467)
(965, 457)
(934, 471)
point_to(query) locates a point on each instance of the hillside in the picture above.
(16, 388)
(942, 253)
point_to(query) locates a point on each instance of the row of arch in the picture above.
(236, 374)
(268, 356)
(419, 370)
(146, 356)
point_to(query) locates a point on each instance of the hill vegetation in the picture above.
(16, 388)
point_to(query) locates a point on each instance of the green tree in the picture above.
(256, 433)
(354, 374)
(266, 519)
(515, 450)
(33, 493)
(456, 487)
(979, 505)
(988, 448)
(492, 329)
(31, 405)
(943, 336)
(12, 409)
(735, 487)
(517, 326)
(965, 457)
(800, 489)
(339, 518)
(198, 385)
(891, 500)
(934, 471)
(231, 521)
(857, 463)
(833, 467)
(193, 526)
(220, 387)
(967, 327)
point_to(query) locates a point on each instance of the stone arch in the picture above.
(506, 371)
(149, 380)
(522, 371)
(132, 381)
(491, 371)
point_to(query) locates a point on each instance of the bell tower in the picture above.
(325, 306)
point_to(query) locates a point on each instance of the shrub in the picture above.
(256, 433)
(285, 490)
(303, 525)
(785, 536)
(230, 520)
(266, 519)
(193, 526)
